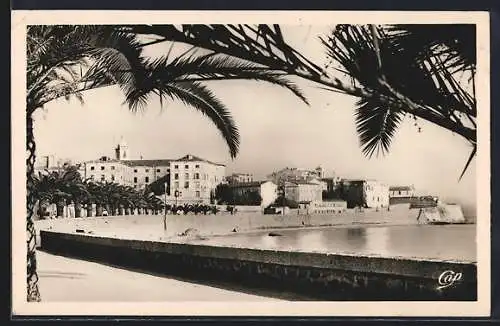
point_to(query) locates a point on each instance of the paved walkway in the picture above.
(68, 280)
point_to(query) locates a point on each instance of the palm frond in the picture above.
(458, 41)
(201, 98)
(210, 67)
(469, 160)
(376, 126)
(417, 67)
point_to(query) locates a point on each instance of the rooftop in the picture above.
(193, 158)
(247, 184)
(401, 188)
(155, 162)
(301, 182)
(151, 163)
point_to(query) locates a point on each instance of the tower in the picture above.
(319, 172)
(121, 151)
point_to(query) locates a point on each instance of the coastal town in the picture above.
(323, 162)
(180, 184)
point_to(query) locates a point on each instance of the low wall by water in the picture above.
(221, 224)
(224, 224)
(315, 275)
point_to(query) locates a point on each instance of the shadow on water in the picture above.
(228, 286)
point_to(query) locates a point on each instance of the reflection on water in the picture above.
(448, 242)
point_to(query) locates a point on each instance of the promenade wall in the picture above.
(318, 276)
(220, 224)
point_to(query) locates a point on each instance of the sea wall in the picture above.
(314, 275)
(223, 223)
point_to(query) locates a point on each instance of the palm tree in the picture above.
(383, 66)
(73, 184)
(57, 187)
(49, 188)
(65, 61)
(420, 71)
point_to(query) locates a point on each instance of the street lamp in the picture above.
(165, 208)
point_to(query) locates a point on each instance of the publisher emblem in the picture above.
(448, 278)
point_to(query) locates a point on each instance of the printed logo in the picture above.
(448, 278)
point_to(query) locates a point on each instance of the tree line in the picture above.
(66, 186)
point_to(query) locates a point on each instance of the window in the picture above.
(102, 168)
(103, 177)
(135, 179)
(197, 176)
(92, 168)
(186, 175)
(112, 178)
(197, 166)
(176, 185)
(135, 186)
(146, 179)
(135, 170)
(186, 166)
(399, 192)
(197, 194)
(147, 170)
(176, 166)
(186, 184)
(92, 177)
(158, 170)
(112, 167)
(176, 176)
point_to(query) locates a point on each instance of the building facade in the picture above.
(401, 195)
(302, 191)
(365, 193)
(401, 191)
(331, 184)
(239, 178)
(325, 207)
(267, 190)
(49, 163)
(296, 174)
(192, 179)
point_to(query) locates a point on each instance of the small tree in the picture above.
(282, 201)
(223, 194)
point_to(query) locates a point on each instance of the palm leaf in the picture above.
(376, 126)
(197, 96)
(201, 98)
(407, 64)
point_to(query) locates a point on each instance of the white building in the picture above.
(365, 193)
(49, 163)
(303, 191)
(401, 191)
(376, 194)
(325, 207)
(267, 190)
(192, 178)
(239, 178)
(296, 174)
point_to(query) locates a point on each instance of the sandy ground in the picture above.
(67, 279)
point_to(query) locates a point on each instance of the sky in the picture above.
(277, 130)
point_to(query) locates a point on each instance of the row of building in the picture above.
(191, 179)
